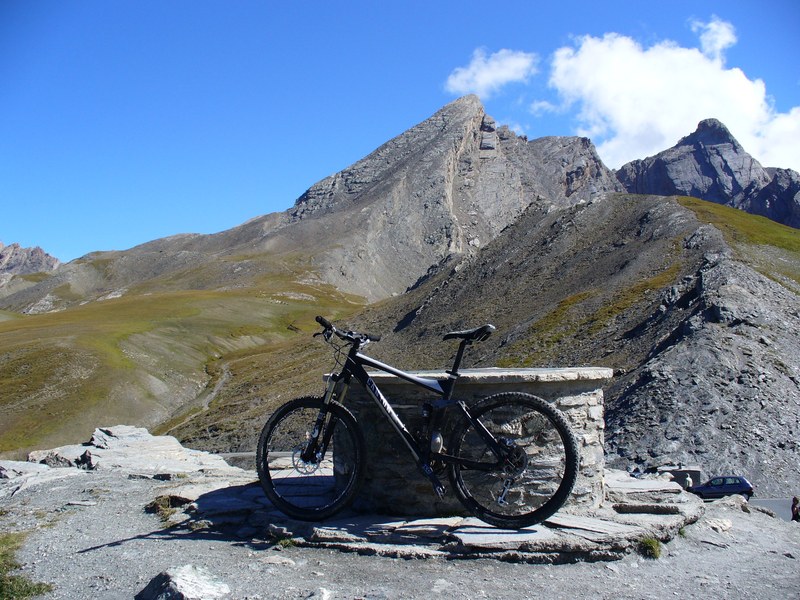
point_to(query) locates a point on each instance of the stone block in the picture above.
(394, 485)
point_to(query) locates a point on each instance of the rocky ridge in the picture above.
(705, 371)
(446, 186)
(16, 260)
(710, 164)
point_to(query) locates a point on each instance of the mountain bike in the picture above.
(511, 458)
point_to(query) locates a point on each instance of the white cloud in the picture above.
(486, 75)
(716, 36)
(541, 107)
(634, 102)
(516, 127)
(778, 141)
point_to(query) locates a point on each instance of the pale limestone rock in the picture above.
(184, 583)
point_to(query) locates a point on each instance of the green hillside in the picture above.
(769, 247)
(138, 359)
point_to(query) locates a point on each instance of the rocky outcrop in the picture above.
(188, 582)
(710, 164)
(133, 450)
(15, 260)
(780, 199)
(722, 388)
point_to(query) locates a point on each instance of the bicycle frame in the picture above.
(516, 479)
(338, 385)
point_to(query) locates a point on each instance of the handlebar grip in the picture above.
(324, 322)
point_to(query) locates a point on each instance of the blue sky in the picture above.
(122, 121)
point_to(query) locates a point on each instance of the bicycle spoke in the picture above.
(310, 489)
(538, 472)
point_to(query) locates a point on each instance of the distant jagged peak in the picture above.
(711, 132)
(711, 164)
(16, 260)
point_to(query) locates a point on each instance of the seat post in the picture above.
(452, 375)
(459, 355)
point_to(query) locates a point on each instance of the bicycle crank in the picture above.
(440, 490)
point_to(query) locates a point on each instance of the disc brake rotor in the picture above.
(301, 466)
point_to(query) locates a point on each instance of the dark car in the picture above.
(726, 485)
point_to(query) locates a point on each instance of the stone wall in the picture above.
(394, 485)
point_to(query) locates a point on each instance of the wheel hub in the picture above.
(301, 466)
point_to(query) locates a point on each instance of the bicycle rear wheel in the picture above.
(325, 483)
(540, 469)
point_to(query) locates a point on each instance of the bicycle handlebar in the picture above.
(324, 322)
(351, 337)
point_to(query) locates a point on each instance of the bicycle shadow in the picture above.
(241, 515)
(235, 514)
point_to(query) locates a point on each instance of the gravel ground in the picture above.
(91, 538)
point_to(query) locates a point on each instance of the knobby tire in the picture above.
(313, 490)
(539, 478)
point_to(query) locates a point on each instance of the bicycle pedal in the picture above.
(440, 490)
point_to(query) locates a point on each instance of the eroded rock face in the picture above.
(721, 390)
(780, 200)
(16, 260)
(445, 187)
(710, 164)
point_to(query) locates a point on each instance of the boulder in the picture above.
(184, 583)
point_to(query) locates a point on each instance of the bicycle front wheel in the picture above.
(539, 468)
(307, 477)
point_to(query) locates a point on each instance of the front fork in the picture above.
(315, 449)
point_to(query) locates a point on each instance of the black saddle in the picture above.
(473, 335)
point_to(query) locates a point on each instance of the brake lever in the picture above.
(325, 334)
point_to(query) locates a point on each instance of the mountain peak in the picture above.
(710, 132)
(708, 163)
(16, 260)
(469, 102)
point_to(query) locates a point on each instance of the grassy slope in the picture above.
(769, 247)
(136, 359)
(258, 381)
